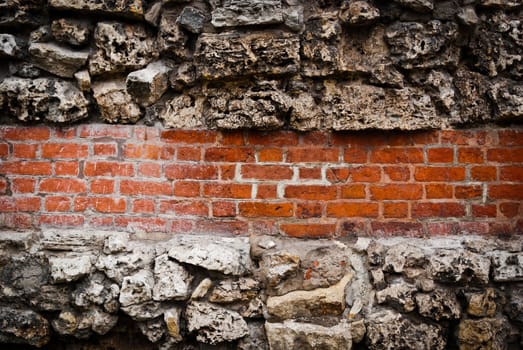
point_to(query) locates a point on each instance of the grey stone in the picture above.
(229, 256)
(101, 322)
(293, 18)
(472, 89)
(147, 85)
(57, 60)
(24, 70)
(508, 267)
(439, 305)
(378, 279)
(360, 13)
(116, 243)
(51, 297)
(468, 16)
(417, 5)
(324, 266)
(22, 13)
(137, 288)
(69, 268)
(115, 103)
(42, 99)
(230, 291)
(172, 39)
(72, 240)
(41, 35)
(172, 281)
(318, 302)
(507, 98)
(390, 330)
(485, 333)
(152, 15)
(292, 335)
(399, 295)
(116, 267)
(191, 19)
(182, 76)
(459, 266)
(23, 327)
(514, 306)
(10, 46)
(183, 112)
(70, 32)
(277, 267)
(255, 340)
(213, 324)
(121, 48)
(505, 4)
(128, 8)
(401, 256)
(154, 329)
(232, 13)
(97, 290)
(144, 311)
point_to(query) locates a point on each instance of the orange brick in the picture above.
(309, 173)
(223, 226)
(468, 192)
(19, 133)
(511, 137)
(397, 173)
(355, 155)
(311, 192)
(435, 191)
(100, 204)
(189, 171)
(60, 220)
(223, 209)
(3, 185)
(312, 154)
(263, 209)
(143, 206)
(25, 168)
(188, 136)
(272, 138)
(514, 192)
(27, 151)
(511, 173)
(395, 210)
(193, 154)
(440, 155)
(483, 173)
(4, 150)
(505, 155)
(443, 210)
(64, 150)
(217, 190)
(66, 168)
(463, 137)
(103, 168)
(353, 191)
(147, 224)
(338, 175)
(439, 174)
(305, 210)
(142, 151)
(102, 186)
(101, 130)
(67, 133)
(397, 155)
(404, 192)
(352, 209)
(266, 172)
(227, 171)
(229, 154)
(23, 185)
(146, 133)
(167, 152)
(266, 192)
(149, 169)
(62, 186)
(19, 204)
(309, 230)
(509, 209)
(148, 188)
(314, 138)
(470, 155)
(365, 174)
(58, 203)
(186, 189)
(270, 155)
(484, 211)
(16, 220)
(397, 228)
(195, 208)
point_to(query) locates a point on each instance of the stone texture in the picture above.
(482, 304)
(229, 291)
(70, 32)
(213, 324)
(485, 333)
(35, 330)
(115, 103)
(130, 8)
(459, 266)
(401, 256)
(417, 5)
(183, 111)
(439, 305)
(58, 60)
(137, 288)
(97, 290)
(255, 340)
(507, 98)
(171, 38)
(116, 267)
(359, 13)
(69, 268)
(10, 46)
(147, 85)
(172, 321)
(507, 267)
(172, 281)
(192, 19)
(398, 295)
(231, 13)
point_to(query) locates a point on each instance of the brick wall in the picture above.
(138, 178)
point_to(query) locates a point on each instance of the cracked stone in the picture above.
(57, 60)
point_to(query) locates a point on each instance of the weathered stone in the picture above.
(230, 291)
(121, 48)
(318, 302)
(378, 279)
(129, 8)
(83, 80)
(359, 13)
(399, 295)
(472, 91)
(391, 330)
(116, 243)
(213, 324)
(232, 13)
(505, 4)
(10, 46)
(459, 266)
(401, 256)
(57, 60)
(254, 309)
(51, 297)
(376, 253)
(293, 18)
(154, 330)
(227, 255)
(324, 266)
(182, 76)
(137, 288)
(468, 16)
(116, 267)
(152, 15)
(172, 281)
(255, 340)
(183, 112)
(279, 266)
(292, 335)
(24, 70)
(41, 35)
(439, 305)
(144, 311)
(97, 290)
(417, 5)
(514, 307)
(485, 333)
(23, 327)
(68, 323)
(101, 322)
(191, 19)
(201, 290)
(72, 240)
(171, 318)
(482, 304)
(42, 99)
(147, 85)
(23, 276)
(69, 268)
(507, 267)
(22, 13)
(115, 103)
(507, 98)
(232, 55)
(172, 39)
(70, 32)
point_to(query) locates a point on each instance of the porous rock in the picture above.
(507, 267)
(69, 268)
(230, 13)
(400, 295)
(486, 333)
(71, 32)
(154, 329)
(10, 46)
(116, 267)
(439, 305)
(147, 85)
(459, 266)
(137, 288)
(35, 332)
(482, 304)
(507, 98)
(229, 291)
(172, 281)
(191, 19)
(183, 111)
(171, 38)
(130, 8)
(401, 256)
(115, 103)
(58, 60)
(255, 340)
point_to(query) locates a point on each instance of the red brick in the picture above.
(337, 175)
(397, 228)
(482, 211)
(314, 138)
(365, 174)
(223, 209)
(397, 173)
(404, 191)
(395, 210)
(19, 133)
(103, 221)
(11, 204)
(266, 172)
(66, 168)
(229, 154)
(103, 168)
(511, 137)
(64, 150)
(188, 136)
(352, 209)
(397, 155)
(147, 188)
(141, 151)
(511, 173)
(224, 226)
(16, 220)
(505, 155)
(272, 138)
(312, 154)
(440, 155)
(439, 174)
(62, 186)
(261, 209)
(61, 220)
(266, 192)
(23, 185)
(310, 192)
(4, 150)
(442, 228)
(102, 186)
(193, 154)
(103, 130)
(305, 210)
(462, 137)
(270, 155)
(67, 133)
(100, 204)
(186, 189)
(309, 230)
(25, 168)
(147, 224)
(352, 228)
(309, 173)
(368, 139)
(195, 208)
(353, 191)
(3, 185)
(264, 227)
(468, 192)
(149, 169)
(231, 138)
(509, 209)
(513, 192)
(470, 155)
(146, 133)
(167, 152)
(27, 151)
(355, 155)
(58, 203)
(435, 191)
(143, 206)
(443, 210)
(189, 171)
(227, 172)
(105, 149)
(216, 190)
(483, 173)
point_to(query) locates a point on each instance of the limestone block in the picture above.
(184, 111)
(57, 60)
(172, 281)
(154, 329)
(70, 32)
(230, 291)
(508, 267)
(359, 13)
(232, 13)
(507, 98)
(137, 288)
(459, 266)
(115, 103)
(69, 268)
(439, 305)
(401, 256)
(147, 85)
(482, 304)
(130, 8)
(10, 46)
(417, 5)
(486, 333)
(400, 295)
(171, 38)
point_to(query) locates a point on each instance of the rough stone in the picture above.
(417, 5)
(472, 89)
(147, 85)
(24, 70)
(172, 321)
(129, 8)
(152, 15)
(42, 99)
(115, 103)
(482, 304)
(41, 35)
(229, 256)
(439, 305)
(324, 266)
(172, 39)
(183, 112)
(191, 19)
(230, 291)
(22, 14)
(97, 290)
(293, 18)
(507, 267)
(57, 60)
(201, 290)
(359, 13)
(69, 268)
(485, 333)
(232, 13)
(172, 281)
(506, 4)
(70, 32)
(318, 302)
(213, 324)
(116, 267)
(401, 256)
(144, 311)
(154, 329)
(121, 48)
(398, 295)
(137, 288)
(255, 340)
(35, 332)
(507, 98)
(102, 322)
(83, 80)
(459, 266)
(10, 46)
